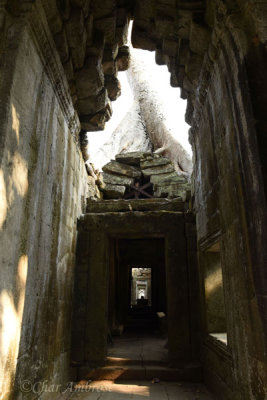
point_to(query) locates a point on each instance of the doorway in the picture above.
(137, 300)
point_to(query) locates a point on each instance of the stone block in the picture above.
(110, 67)
(90, 80)
(156, 162)
(164, 25)
(122, 34)
(77, 36)
(83, 4)
(132, 158)
(103, 8)
(172, 177)
(114, 191)
(53, 16)
(117, 179)
(123, 58)
(62, 45)
(140, 40)
(68, 68)
(117, 168)
(64, 8)
(100, 181)
(170, 47)
(89, 24)
(171, 191)
(108, 27)
(113, 87)
(162, 169)
(95, 45)
(199, 38)
(93, 122)
(92, 104)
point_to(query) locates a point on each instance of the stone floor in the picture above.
(137, 351)
(139, 347)
(141, 390)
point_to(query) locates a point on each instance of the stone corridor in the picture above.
(71, 236)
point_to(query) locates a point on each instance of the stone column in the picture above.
(177, 299)
(97, 299)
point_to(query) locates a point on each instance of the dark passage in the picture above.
(137, 299)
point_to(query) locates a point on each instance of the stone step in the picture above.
(115, 362)
(188, 373)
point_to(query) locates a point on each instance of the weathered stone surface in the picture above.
(158, 170)
(96, 44)
(68, 68)
(77, 36)
(53, 16)
(94, 122)
(135, 205)
(113, 86)
(172, 191)
(92, 104)
(100, 181)
(108, 27)
(62, 45)
(113, 191)
(132, 158)
(39, 128)
(90, 80)
(123, 58)
(117, 179)
(171, 177)
(83, 4)
(93, 190)
(156, 162)
(117, 168)
(110, 67)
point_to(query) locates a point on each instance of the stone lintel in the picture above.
(135, 205)
(155, 223)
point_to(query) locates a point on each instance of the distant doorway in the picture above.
(140, 287)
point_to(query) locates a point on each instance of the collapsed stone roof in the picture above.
(91, 36)
(142, 175)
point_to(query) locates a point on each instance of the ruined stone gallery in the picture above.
(149, 273)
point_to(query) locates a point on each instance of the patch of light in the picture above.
(115, 388)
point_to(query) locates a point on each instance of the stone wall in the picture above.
(227, 135)
(43, 186)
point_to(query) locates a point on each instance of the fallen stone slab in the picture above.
(133, 158)
(117, 168)
(172, 191)
(114, 191)
(155, 162)
(172, 177)
(117, 179)
(162, 169)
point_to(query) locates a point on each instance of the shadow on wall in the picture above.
(13, 185)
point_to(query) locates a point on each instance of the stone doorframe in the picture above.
(90, 328)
